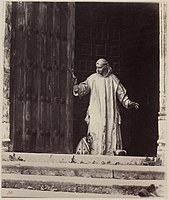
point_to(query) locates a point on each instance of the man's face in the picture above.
(101, 67)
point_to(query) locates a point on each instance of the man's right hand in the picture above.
(134, 105)
(75, 88)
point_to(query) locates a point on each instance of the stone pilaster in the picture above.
(5, 131)
(162, 123)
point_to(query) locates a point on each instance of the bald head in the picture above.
(101, 61)
(102, 66)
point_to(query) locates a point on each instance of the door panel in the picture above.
(41, 85)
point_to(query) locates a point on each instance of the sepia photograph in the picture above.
(84, 99)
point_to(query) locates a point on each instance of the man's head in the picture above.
(102, 66)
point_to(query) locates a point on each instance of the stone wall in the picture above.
(6, 77)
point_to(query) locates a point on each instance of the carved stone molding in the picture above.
(162, 81)
(6, 80)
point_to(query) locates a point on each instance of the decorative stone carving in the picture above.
(6, 78)
(162, 83)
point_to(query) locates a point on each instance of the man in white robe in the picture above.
(103, 117)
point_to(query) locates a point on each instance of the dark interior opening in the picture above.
(127, 35)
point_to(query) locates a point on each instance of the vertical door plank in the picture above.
(69, 82)
(49, 62)
(40, 141)
(55, 119)
(20, 83)
(63, 74)
(34, 33)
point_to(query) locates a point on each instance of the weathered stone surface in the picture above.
(141, 175)
(6, 77)
(5, 142)
(87, 174)
(5, 130)
(23, 193)
(57, 170)
(76, 184)
(85, 170)
(81, 159)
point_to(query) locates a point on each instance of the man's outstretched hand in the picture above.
(134, 105)
(75, 88)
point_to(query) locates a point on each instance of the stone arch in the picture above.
(5, 76)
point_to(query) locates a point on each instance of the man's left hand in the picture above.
(134, 105)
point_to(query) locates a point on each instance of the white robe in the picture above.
(103, 117)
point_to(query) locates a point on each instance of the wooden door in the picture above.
(42, 50)
(97, 36)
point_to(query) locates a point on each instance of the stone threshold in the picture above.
(74, 158)
(83, 166)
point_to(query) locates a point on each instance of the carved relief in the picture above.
(6, 77)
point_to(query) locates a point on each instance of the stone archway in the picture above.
(162, 119)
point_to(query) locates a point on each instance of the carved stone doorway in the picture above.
(161, 83)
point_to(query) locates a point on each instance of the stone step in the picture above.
(85, 170)
(69, 158)
(77, 184)
(25, 193)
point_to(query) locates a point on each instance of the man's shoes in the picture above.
(120, 153)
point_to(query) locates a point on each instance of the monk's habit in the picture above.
(103, 117)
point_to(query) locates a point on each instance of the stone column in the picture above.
(162, 123)
(5, 130)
